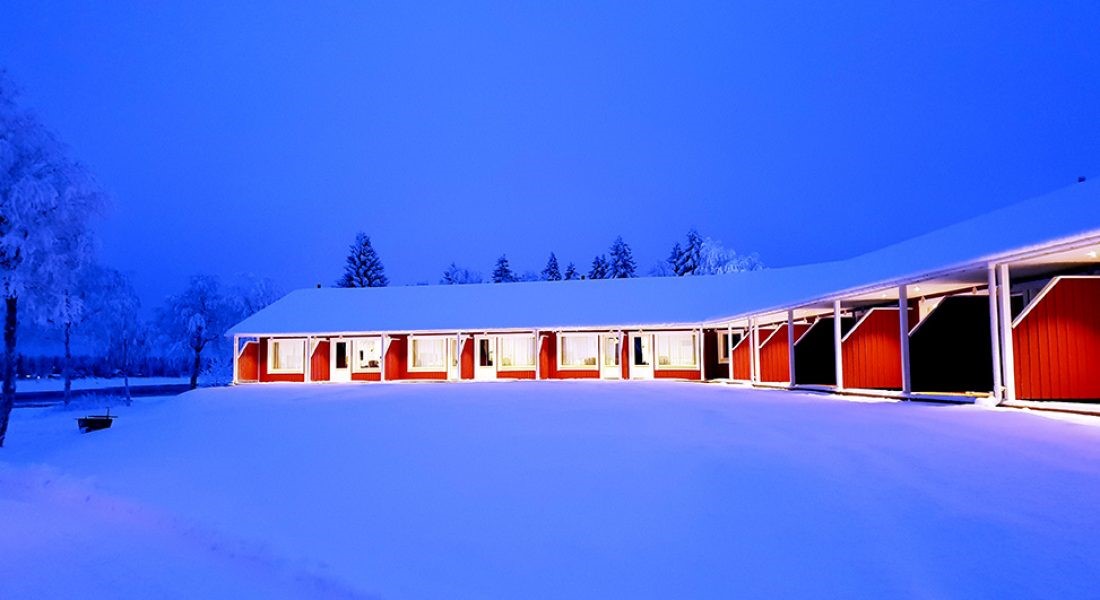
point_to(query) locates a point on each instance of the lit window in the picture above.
(517, 352)
(368, 354)
(286, 356)
(428, 353)
(579, 350)
(676, 350)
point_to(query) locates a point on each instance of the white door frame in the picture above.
(612, 371)
(641, 371)
(488, 372)
(454, 358)
(334, 373)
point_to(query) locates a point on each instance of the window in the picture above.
(427, 354)
(578, 351)
(642, 356)
(286, 356)
(725, 341)
(517, 352)
(368, 354)
(676, 350)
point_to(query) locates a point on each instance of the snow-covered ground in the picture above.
(548, 490)
(47, 384)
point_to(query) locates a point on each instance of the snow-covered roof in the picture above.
(1069, 213)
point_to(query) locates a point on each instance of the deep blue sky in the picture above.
(259, 138)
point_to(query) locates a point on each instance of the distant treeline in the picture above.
(697, 255)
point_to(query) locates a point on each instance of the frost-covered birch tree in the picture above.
(46, 199)
(113, 310)
(456, 275)
(198, 317)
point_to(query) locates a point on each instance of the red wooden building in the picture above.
(1013, 296)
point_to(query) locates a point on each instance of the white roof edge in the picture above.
(1067, 243)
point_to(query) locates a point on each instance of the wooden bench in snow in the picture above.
(95, 422)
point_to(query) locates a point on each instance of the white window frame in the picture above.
(442, 340)
(500, 354)
(595, 366)
(271, 343)
(354, 355)
(664, 336)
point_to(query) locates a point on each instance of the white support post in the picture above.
(838, 333)
(1004, 289)
(729, 349)
(236, 359)
(752, 367)
(385, 351)
(755, 350)
(790, 348)
(997, 393)
(309, 360)
(702, 360)
(538, 352)
(903, 332)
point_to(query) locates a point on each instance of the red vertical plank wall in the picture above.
(624, 355)
(248, 364)
(546, 356)
(741, 357)
(775, 365)
(318, 363)
(1057, 342)
(395, 358)
(872, 351)
(466, 362)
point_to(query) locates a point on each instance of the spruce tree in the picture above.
(551, 272)
(599, 268)
(363, 268)
(676, 259)
(692, 258)
(571, 272)
(502, 273)
(622, 264)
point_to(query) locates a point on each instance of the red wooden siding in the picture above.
(676, 374)
(775, 363)
(248, 364)
(395, 358)
(368, 376)
(1057, 343)
(466, 359)
(547, 347)
(624, 358)
(318, 364)
(265, 376)
(872, 351)
(742, 358)
(515, 374)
